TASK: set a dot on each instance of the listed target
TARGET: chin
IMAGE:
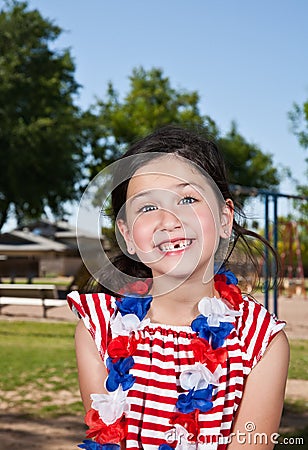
(180, 273)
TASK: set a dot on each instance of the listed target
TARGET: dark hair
(200, 150)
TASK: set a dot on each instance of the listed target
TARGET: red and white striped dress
(164, 351)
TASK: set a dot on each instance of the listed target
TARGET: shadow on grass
(294, 426)
(63, 433)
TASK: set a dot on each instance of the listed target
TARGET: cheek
(208, 224)
(142, 231)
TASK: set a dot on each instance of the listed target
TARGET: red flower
(204, 353)
(138, 287)
(188, 421)
(122, 347)
(229, 292)
(220, 277)
(102, 433)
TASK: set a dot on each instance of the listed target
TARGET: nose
(169, 221)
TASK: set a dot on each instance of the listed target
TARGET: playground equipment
(267, 196)
(291, 259)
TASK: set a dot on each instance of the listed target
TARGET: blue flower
(231, 278)
(92, 445)
(200, 399)
(216, 334)
(135, 305)
(119, 374)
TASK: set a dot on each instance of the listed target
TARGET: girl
(179, 358)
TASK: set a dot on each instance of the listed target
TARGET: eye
(187, 200)
(147, 208)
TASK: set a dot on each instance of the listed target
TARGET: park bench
(45, 295)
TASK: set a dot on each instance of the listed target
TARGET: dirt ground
(66, 432)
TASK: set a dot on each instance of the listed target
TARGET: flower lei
(106, 418)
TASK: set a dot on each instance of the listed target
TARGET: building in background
(43, 249)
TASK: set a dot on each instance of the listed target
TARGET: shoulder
(95, 310)
(256, 328)
(86, 304)
(256, 320)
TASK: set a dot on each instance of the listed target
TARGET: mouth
(175, 246)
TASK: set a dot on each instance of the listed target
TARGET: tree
(41, 129)
(299, 123)
(152, 102)
(248, 165)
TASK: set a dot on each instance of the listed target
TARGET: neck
(178, 305)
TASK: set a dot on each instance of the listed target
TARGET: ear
(226, 219)
(124, 230)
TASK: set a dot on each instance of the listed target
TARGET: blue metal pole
(275, 245)
(266, 262)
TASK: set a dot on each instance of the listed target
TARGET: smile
(175, 246)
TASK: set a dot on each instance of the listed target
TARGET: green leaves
(41, 129)
(150, 103)
(247, 164)
(299, 125)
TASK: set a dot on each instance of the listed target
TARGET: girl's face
(173, 219)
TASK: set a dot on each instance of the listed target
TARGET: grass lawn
(38, 372)
(58, 281)
(299, 359)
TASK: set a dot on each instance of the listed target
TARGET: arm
(92, 372)
(91, 369)
(263, 397)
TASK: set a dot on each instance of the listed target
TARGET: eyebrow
(180, 185)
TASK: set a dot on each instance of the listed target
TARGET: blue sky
(247, 59)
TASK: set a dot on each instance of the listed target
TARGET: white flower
(125, 325)
(110, 406)
(216, 311)
(199, 377)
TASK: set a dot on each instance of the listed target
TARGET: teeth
(178, 245)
